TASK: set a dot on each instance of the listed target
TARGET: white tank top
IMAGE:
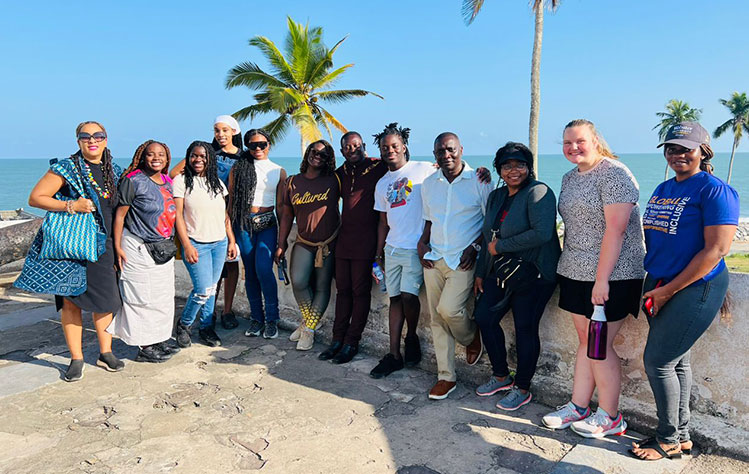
(268, 176)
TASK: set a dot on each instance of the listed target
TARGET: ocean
(20, 175)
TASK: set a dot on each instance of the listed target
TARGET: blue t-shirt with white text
(675, 218)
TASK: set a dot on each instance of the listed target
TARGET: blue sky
(156, 69)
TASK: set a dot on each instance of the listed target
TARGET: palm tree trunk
(536, 85)
(730, 162)
(302, 144)
(665, 176)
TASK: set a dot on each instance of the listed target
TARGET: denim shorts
(403, 271)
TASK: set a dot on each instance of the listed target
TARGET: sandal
(684, 449)
(652, 443)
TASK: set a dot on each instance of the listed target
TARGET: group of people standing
(443, 226)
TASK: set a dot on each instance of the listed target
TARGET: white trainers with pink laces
(599, 425)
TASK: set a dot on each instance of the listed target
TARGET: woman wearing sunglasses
(253, 191)
(312, 198)
(227, 143)
(93, 167)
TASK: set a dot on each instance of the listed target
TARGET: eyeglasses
(520, 165)
(255, 145)
(98, 136)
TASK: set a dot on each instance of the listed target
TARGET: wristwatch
(476, 247)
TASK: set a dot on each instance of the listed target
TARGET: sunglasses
(255, 145)
(98, 136)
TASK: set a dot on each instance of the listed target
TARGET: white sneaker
(564, 416)
(599, 425)
(306, 339)
(294, 336)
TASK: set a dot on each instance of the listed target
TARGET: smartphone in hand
(647, 305)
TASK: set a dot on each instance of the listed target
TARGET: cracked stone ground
(260, 405)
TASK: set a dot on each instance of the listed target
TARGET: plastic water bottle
(597, 334)
(281, 269)
(379, 276)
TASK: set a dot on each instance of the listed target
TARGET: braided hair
(110, 180)
(394, 129)
(139, 163)
(245, 180)
(211, 169)
(329, 160)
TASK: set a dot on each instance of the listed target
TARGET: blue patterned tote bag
(71, 236)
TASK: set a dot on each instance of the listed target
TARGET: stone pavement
(260, 405)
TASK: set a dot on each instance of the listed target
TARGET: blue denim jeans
(204, 274)
(673, 332)
(256, 249)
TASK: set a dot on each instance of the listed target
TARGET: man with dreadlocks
(398, 199)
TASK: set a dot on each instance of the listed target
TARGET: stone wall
(719, 359)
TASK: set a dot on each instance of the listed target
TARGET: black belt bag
(162, 251)
(513, 273)
(262, 221)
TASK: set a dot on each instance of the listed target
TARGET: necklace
(103, 193)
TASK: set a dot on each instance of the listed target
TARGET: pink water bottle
(597, 334)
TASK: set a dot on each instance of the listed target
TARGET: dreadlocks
(211, 170)
(139, 163)
(110, 180)
(394, 129)
(329, 158)
(244, 181)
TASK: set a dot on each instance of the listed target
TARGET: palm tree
(297, 85)
(738, 105)
(676, 112)
(471, 8)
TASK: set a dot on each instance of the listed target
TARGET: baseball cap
(687, 134)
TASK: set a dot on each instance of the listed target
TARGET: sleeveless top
(268, 176)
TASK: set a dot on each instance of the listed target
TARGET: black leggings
(312, 300)
(527, 308)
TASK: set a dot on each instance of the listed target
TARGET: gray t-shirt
(581, 203)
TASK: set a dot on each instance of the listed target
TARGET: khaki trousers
(448, 294)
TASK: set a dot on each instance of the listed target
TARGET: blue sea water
(18, 176)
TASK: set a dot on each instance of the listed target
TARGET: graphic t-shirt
(152, 211)
(675, 218)
(204, 211)
(315, 204)
(398, 194)
(224, 163)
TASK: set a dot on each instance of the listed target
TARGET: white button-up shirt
(456, 211)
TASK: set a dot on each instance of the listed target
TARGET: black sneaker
(209, 337)
(229, 321)
(256, 327)
(345, 355)
(108, 361)
(271, 330)
(387, 366)
(412, 353)
(151, 354)
(75, 370)
(331, 351)
(183, 335)
(167, 348)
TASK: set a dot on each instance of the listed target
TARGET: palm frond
(343, 95)
(336, 123)
(278, 128)
(550, 5)
(322, 62)
(320, 118)
(253, 111)
(285, 99)
(471, 9)
(250, 75)
(305, 122)
(301, 46)
(330, 78)
(723, 128)
(280, 66)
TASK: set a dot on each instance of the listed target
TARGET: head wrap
(230, 121)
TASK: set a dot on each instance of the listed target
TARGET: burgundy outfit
(356, 247)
